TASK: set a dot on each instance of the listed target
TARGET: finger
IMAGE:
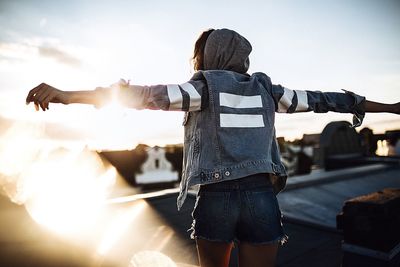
(41, 95)
(45, 100)
(49, 99)
(36, 106)
(42, 107)
(36, 92)
(47, 93)
(32, 92)
(46, 104)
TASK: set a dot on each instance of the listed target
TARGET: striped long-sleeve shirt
(193, 96)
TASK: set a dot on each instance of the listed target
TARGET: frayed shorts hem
(280, 240)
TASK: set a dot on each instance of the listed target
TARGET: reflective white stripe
(239, 101)
(302, 101)
(241, 120)
(286, 100)
(175, 97)
(195, 98)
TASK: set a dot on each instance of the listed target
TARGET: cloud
(58, 55)
(30, 49)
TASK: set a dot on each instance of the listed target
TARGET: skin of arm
(81, 97)
(374, 107)
(44, 94)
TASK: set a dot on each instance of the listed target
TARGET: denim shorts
(242, 210)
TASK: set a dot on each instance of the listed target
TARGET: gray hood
(227, 50)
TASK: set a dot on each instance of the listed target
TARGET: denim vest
(234, 136)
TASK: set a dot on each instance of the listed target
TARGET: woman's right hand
(43, 94)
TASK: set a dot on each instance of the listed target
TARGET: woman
(230, 147)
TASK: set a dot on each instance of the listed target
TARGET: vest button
(216, 175)
(227, 173)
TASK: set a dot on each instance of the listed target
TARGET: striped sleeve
(171, 97)
(290, 101)
(183, 97)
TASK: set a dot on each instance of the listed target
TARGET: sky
(79, 45)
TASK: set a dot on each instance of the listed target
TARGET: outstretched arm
(290, 101)
(176, 97)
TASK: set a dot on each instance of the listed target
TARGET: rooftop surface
(152, 230)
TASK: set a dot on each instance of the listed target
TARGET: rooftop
(153, 228)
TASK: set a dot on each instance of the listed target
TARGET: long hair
(198, 53)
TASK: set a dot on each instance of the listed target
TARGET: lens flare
(68, 191)
(62, 189)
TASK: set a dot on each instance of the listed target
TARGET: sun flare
(68, 195)
(62, 189)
